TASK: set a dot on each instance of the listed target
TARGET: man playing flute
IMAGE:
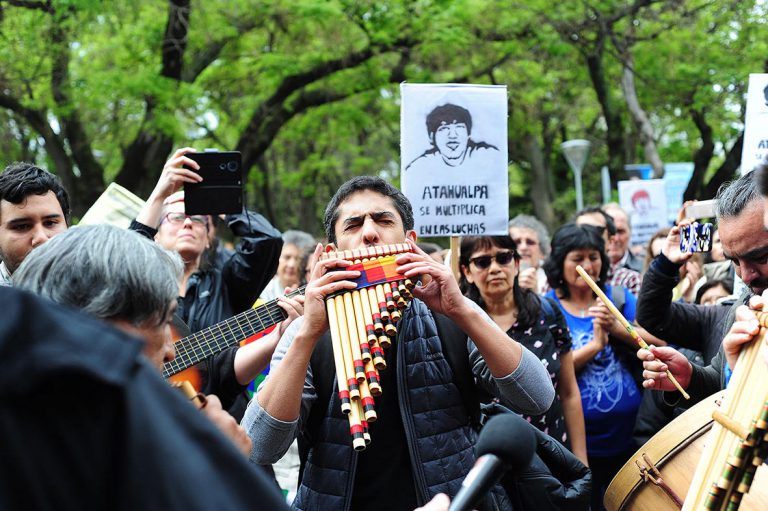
(423, 440)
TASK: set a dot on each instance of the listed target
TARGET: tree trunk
(727, 170)
(614, 136)
(542, 201)
(702, 157)
(642, 123)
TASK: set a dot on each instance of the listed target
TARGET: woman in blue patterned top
(490, 270)
(609, 395)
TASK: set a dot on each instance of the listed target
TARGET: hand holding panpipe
(362, 323)
(626, 324)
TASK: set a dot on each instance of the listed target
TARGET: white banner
(453, 154)
(116, 206)
(646, 202)
(755, 124)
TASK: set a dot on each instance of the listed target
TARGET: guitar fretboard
(230, 332)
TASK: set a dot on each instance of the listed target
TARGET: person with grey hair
(289, 270)
(112, 274)
(739, 210)
(122, 278)
(532, 240)
(618, 246)
(88, 423)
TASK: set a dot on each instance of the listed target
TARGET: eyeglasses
(525, 241)
(179, 218)
(502, 259)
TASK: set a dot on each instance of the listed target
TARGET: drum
(675, 451)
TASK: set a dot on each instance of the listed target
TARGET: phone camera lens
(222, 166)
(232, 166)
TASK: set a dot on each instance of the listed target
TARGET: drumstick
(626, 324)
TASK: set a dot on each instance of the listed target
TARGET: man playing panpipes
(423, 439)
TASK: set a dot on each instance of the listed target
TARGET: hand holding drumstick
(626, 324)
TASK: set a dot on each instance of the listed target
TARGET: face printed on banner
(451, 140)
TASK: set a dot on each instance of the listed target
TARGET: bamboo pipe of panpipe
(365, 328)
(354, 338)
(367, 403)
(389, 328)
(378, 326)
(394, 312)
(338, 356)
(372, 376)
(356, 427)
(346, 349)
(378, 329)
(626, 324)
(382, 303)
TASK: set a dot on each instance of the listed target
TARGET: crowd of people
(91, 312)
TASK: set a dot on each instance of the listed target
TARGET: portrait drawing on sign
(449, 128)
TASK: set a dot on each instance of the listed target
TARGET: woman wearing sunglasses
(610, 397)
(489, 276)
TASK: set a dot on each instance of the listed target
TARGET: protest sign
(646, 202)
(755, 148)
(454, 158)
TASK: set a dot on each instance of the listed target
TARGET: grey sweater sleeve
(272, 437)
(528, 389)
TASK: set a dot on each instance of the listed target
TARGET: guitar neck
(216, 338)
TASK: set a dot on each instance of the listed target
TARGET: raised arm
(519, 375)
(272, 416)
(254, 262)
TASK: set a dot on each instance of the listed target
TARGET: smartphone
(221, 190)
(696, 238)
(701, 209)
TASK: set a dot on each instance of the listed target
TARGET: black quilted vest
(437, 425)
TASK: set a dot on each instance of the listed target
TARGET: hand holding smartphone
(221, 190)
(696, 237)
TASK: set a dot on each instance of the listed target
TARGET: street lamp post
(576, 153)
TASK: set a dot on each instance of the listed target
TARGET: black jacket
(225, 289)
(691, 326)
(87, 423)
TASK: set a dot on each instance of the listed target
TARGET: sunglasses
(502, 259)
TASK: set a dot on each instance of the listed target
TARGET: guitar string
(193, 349)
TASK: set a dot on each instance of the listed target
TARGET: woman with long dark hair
(610, 397)
(489, 277)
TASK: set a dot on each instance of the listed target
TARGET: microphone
(506, 443)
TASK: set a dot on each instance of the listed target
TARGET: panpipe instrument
(363, 323)
(711, 457)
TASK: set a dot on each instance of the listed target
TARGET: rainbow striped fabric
(376, 271)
